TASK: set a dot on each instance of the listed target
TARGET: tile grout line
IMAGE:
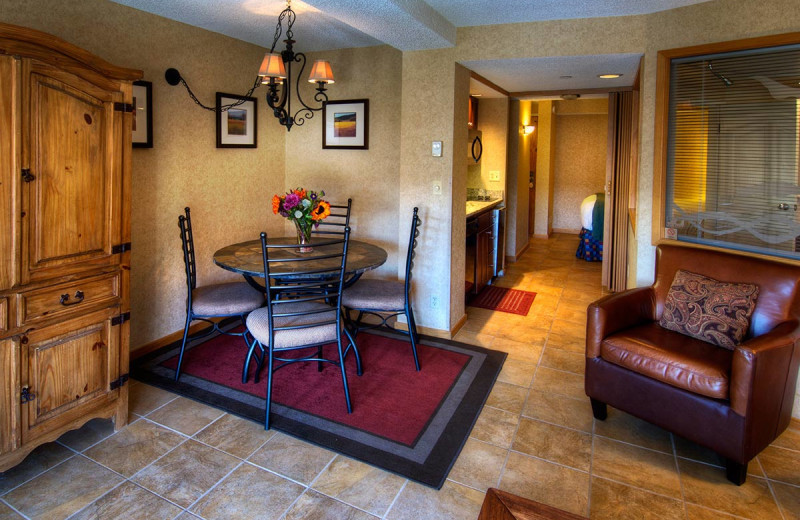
(396, 498)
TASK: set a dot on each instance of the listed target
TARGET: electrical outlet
(436, 148)
(434, 302)
(494, 175)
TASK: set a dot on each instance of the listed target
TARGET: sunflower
(276, 204)
(322, 210)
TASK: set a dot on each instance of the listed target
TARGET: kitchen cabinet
(65, 155)
(480, 252)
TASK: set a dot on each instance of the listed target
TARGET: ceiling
(419, 24)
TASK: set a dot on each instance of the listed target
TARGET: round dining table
(246, 259)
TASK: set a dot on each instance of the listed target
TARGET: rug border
(433, 472)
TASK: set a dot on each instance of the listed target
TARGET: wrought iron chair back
(187, 243)
(412, 246)
(336, 222)
(299, 314)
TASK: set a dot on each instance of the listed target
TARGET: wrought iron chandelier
(276, 73)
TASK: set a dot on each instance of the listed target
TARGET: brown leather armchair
(734, 402)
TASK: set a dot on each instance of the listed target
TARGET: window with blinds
(733, 150)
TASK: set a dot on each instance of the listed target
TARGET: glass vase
(303, 237)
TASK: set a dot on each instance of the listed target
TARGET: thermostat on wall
(436, 149)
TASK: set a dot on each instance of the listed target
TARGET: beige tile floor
(535, 437)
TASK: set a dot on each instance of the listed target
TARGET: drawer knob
(65, 299)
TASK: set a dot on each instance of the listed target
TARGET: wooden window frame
(660, 137)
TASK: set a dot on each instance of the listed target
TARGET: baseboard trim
(428, 331)
(513, 258)
(567, 231)
(168, 339)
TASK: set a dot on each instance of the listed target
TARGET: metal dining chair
(298, 316)
(385, 299)
(205, 303)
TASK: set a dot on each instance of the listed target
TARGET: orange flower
(300, 192)
(322, 210)
(276, 204)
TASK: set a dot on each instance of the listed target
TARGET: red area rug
(412, 423)
(502, 299)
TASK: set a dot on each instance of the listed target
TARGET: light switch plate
(436, 148)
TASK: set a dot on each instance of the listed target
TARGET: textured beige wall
(429, 81)
(227, 189)
(370, 176)
(493, 124)
(580, 165)
(516, 237)
(545, 170)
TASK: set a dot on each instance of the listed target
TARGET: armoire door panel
(73, 197)
(70, 367)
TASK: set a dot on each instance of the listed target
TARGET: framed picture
(142, 114)
(237, 127)
(345, 124)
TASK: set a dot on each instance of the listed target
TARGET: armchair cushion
(708, 309)
(672, 358)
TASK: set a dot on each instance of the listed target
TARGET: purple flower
(292, 200)
(313, 196)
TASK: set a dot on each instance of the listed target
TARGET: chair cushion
(709, 310)
(375, 295)
(225, 299)
(258, 324)
(672, 358)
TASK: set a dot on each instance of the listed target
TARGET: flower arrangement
(304, 208)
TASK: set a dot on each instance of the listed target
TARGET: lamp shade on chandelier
(276, 73)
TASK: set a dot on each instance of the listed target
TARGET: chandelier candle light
(276, 70)
(305, 209)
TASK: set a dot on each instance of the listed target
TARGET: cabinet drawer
(67, 298)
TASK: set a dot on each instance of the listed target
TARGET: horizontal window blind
(734, 150)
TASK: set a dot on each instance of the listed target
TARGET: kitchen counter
(476, 207)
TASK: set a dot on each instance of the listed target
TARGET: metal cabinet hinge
(122, 318)
(120, 248)
(26, 395)
(119, 382)
(123, 107)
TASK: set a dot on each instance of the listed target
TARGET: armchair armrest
(762, 368)
(616, 312)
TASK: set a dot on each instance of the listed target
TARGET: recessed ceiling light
(570, 97)
(609, 76)
(476, 95)
(565, 77)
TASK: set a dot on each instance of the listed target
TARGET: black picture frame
(142, 126)
(237, 127)
(342, 118)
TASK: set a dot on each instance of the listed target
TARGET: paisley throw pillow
(709, 310)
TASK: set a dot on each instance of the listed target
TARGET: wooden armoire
(65, 187)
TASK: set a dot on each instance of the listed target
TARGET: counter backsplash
(483, 194)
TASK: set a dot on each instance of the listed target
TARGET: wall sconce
(528, 129)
